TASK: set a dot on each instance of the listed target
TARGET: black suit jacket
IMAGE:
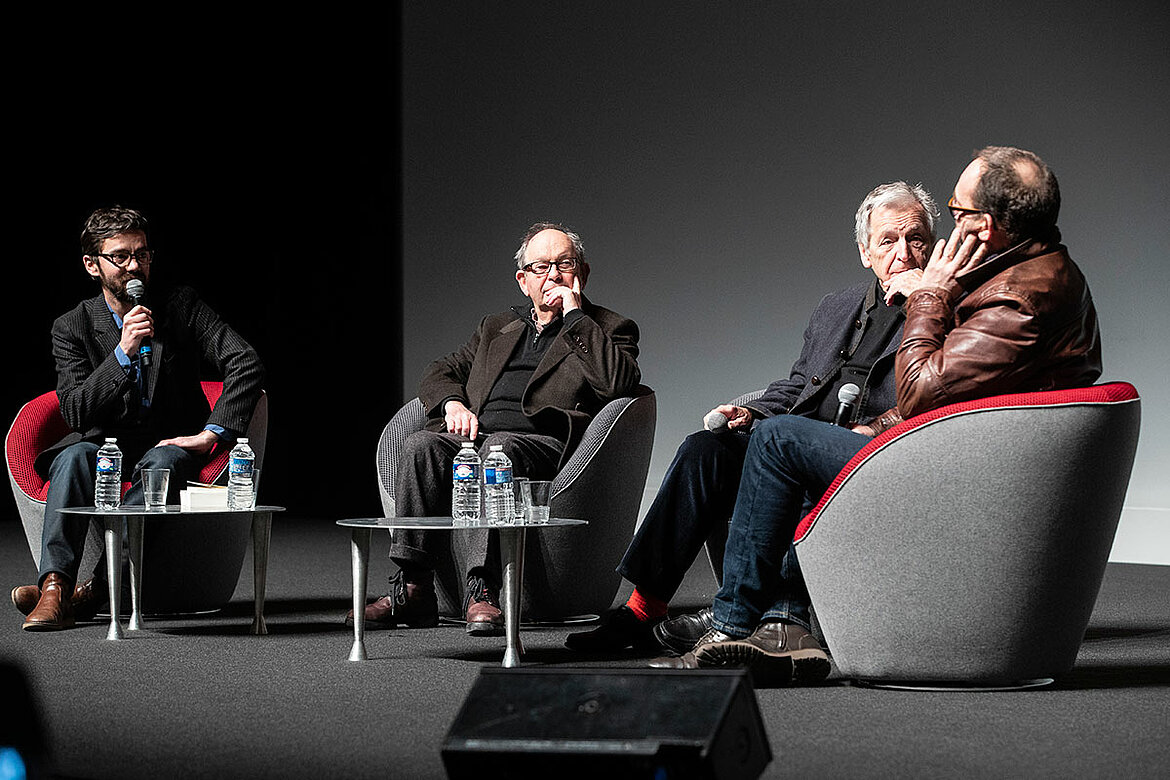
(98, 399)
(592, 361)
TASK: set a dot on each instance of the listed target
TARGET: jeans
(788, 460)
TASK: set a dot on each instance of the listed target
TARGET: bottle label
(240, 466)
(465, 472)
(497, 476)
(107, 465)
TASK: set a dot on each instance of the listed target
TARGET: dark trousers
(422, 488)
(71, 484)
(694, 503)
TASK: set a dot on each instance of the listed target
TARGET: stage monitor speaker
(630, 723)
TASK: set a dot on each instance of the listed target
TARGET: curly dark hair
(107, 223)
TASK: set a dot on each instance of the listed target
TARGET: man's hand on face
(460, 420)
(903, 284)
(201, 442)
(952, 258)
(738, 418)
(564, 298)
(136, 326)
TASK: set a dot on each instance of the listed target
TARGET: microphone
(847, 396)
(715, 422)
(137, 292)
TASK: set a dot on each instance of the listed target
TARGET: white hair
(895, 193)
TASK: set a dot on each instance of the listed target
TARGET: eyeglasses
(958, 211)
(542, 267)
(122, 259)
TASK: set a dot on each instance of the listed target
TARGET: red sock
(646, 607)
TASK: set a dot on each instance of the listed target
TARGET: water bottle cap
(111, 441)
(497, 447)
(242, 440)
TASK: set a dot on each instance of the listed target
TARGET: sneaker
(620, 629)
(412, 604)
(778, 654)
(482, 607)
(679, 634)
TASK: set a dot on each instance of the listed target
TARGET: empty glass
(154, 488)
(537, 493)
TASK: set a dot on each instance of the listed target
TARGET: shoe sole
(38, 626)
(800, 667)
(484, 628)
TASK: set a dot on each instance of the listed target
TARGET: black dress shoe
(620, 629)
(679, 634)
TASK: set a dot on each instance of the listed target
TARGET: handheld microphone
(847, 396)
(137, 292)
(715, 422)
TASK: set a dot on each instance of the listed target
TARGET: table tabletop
(136, 510)
(448, 523)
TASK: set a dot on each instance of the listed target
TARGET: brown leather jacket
(1022, 321)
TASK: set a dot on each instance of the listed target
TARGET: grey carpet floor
(200, 697)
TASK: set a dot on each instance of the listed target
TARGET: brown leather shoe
(54, 610)
(778, 654)
(484, 616)
(88, 598)
(412, 604)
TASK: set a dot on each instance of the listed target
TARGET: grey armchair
(965, 547)
(567, 571)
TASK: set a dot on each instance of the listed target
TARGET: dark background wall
(264, 150)
(711, 154)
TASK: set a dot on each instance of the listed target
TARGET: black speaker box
(631, 723)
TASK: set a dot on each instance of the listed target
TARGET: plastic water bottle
(497, 481)
(107, 490)
(465, 486)
(240, 475)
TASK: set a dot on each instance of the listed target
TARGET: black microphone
(847, 396)
(137, 292)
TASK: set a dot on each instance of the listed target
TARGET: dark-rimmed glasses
(122, 259)
(958, 211)
(542, 267)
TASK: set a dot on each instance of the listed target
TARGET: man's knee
(80, 458)
(164, 457)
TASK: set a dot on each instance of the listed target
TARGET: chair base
(935, 686)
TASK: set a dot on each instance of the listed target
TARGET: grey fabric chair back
(967, 546)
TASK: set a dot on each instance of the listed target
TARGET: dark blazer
(593, 360)
(830, 330)
(98, 399)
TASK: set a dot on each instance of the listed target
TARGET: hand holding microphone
(138, 327)
(727, 417)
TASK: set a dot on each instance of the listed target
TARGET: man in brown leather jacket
(999, 308)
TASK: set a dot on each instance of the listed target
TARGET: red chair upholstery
(965, 547)
(176, 553)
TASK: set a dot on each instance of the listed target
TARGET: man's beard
(117, 287)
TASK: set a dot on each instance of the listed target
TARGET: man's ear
(864, 256)
(91, 266)
(988, 224)
(584, 275)
(520, 281)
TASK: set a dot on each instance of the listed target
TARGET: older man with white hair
(851, 339)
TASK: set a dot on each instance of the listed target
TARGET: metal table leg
(261, 534)
(512, 555)
(360, 563)
(135, 526)
(113, 538)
